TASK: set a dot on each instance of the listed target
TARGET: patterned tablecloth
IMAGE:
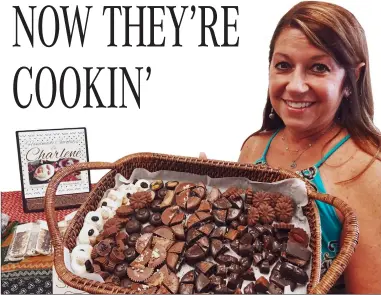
(33, 275)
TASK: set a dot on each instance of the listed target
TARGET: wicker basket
(154, 162)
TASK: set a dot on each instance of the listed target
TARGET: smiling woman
(318, 122)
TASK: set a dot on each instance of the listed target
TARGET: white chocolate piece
(109, 203)
(106, 213)
(128, 192)
(88, 234)
(142, 185)
(79, 256)
(116, 196)
(95, 218)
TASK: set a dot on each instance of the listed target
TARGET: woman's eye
(320, 68)
(282, 65)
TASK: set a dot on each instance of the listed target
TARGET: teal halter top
(330, 223)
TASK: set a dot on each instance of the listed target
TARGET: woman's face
(306, 84)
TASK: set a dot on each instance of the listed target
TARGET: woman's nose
(297, 83)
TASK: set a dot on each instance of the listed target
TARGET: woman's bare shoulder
(253, 147)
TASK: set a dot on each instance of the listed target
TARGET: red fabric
(11, 204)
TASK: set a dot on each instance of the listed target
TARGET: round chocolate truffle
(155, 205)
(155, 219)
(133, 226)
(121, 270)
(142, 215)
(130, 254)
(131, 241)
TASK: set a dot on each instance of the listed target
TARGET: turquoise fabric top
(330, 223)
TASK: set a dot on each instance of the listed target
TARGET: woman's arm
(363, 274)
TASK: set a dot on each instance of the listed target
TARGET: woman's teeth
(298, 105)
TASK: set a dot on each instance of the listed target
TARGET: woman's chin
(297, 124)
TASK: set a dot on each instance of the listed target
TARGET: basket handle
(347, 248)
(50, 212)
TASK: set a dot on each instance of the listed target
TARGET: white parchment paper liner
(295, 188)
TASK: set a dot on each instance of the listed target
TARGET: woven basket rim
(321, 286)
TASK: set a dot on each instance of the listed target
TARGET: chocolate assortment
(170, 237)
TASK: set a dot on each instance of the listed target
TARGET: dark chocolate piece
(192, 221)
(133, 226)
(219, 216)
(274, 289)
(222, 289)
(245, 250)
(218, 232)
(232, 234)
(245, 263)
(234, 281)
(215, 281)
(148, 229)
(226, 259)
(178, 230)
(171, 282)
(193, 203)
(293, 273)
(155, 219)
(205, 206)
(262, 285)
(178, 218)
(171, 185)
(155, 206)
(246, 239)
(177, 248)
(206, 267)
(250, 288)
(189, 277)
(297, 250)
(206, 229)
(222, 204)
(161, 193)
(242, 219)
(204, 216)
(172, 260)
(131, 241)
(264, 267)
(257, 258)
(222, 270)
(142, 215)
(194, 254)
(121, 270)
(130, 254)
(280, 281)
(234, 268)
(204, 244)
(186, 289)
(193, 235)
(272, 258)
(202, 283)
(248, 275)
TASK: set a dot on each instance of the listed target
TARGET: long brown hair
(336, 31)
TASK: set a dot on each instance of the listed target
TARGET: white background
(197, 98)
